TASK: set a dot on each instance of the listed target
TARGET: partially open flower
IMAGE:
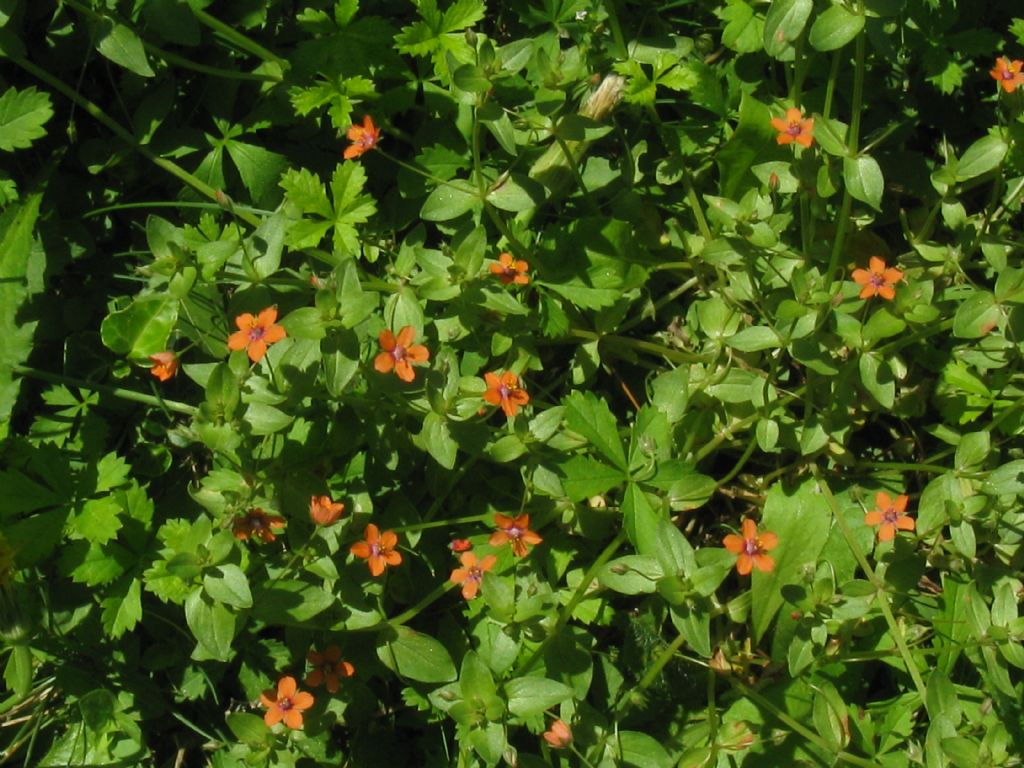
(165, 365)
(324, 511)
(559, 735)
(363, 137)
(286, 704)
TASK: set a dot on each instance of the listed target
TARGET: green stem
(237, 39)
(123, 134)
(411, 613)
(751, 446)
(881, 594)
(442, 523)
(675, 355)
(124, 394)
(566, 613)
(698, 212)
(852, 143)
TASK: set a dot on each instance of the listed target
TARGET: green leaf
(977, 316)
(449, 201)
(835, 28)
(982, 156)
(801, 519)
(436, 439)
(753, 139)
(631, 575)
(755, 339)
(122, 609)
(415, 656)
(471, 78)
(877, 379)
(227, 584)
(18, 671)
(591, 417)
(516, 193)
(783, 24)
(142, 328)
(258, 168)
(584, 477)
(864, 180)
(98, 521)
(248, 728)
(744, 30)
(122, 46)
(22, 117)
(291, 602)
(266, 419)
(532, 695)
(638, 750)
(212, 625)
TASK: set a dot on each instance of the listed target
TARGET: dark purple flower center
(890, 516)
(515, 531)
(256, 523)
(794, 129)
(398, 353)
(375, 549)
(751, 546)
(257, 333)
(1008, 74)
(284, 704)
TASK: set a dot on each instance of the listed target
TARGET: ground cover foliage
(537, 383)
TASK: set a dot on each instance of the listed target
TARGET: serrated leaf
(98, 521)
(22, 117)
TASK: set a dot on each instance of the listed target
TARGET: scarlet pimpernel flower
(256, 332)
(165, 365)
(890, 515)
(324, 511)
(750, 548)
(460, 545)
(504, 390)
(878, 279)
(328, 668)
(400, 353)
(257, 524)
(363, 137)
(511, 270)
(559, 735)
(378, 549)
(286, 703)
(794, 127)
(515, 531)
(471, 573)
(1008, 73)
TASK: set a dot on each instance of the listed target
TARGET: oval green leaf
(864, 179)
(835, 28)
(785, 21)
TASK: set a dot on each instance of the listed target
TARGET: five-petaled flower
(750, 548)
(327, 668)
(877, 280)
(559, 735)
(378, 549)
(256, 524)
(287, 703)
(794, 127)
(511, 270)
(400, 353)
(515, 531)
(324, 511)
(363, 137)
(890, 514)
(165, 365)
(471, 573)
(504, 390)
(1008, 73)
(256, 332)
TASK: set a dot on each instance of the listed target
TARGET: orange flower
(889, 513)
(327, 668)
(794, 127)
(324, 511)
(750, 548)
(514, 530)
(165, 365)
(363, 137)
(256, 524)
(1008, 73)
(877, 280)
(256, 332)
(505, 391)
(286, 704)
(460, 545)
(399, 353)
(510, 270)
(559, 735)
(378, 549)
(471, 573)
